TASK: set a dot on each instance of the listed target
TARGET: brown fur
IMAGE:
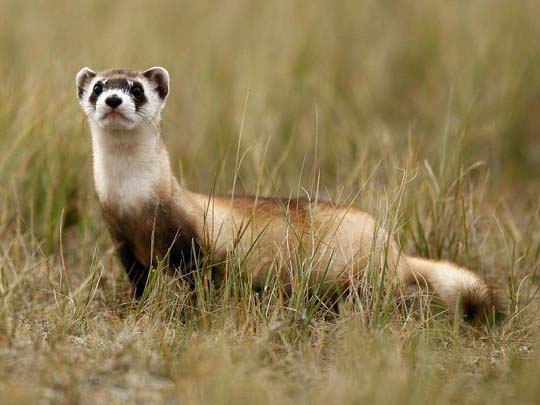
(120, 73)
(153, 232)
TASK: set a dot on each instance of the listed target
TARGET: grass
(429, 112)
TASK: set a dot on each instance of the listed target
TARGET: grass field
(428, 112)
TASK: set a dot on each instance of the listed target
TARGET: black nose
(113, 101)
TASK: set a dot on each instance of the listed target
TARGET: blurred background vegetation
(435, 102)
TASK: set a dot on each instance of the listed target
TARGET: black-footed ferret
(150, 216)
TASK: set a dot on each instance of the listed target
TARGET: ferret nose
(113, 101)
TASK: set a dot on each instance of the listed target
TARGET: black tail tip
(484, 309)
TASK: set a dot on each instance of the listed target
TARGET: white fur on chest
(127, 167)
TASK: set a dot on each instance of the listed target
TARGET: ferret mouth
(114, 115)
(115, 118)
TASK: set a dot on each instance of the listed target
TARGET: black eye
(137, 91)
(98, 89)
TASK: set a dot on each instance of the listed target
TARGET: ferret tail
(459, 288)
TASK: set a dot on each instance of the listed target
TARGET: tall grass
(426, 114)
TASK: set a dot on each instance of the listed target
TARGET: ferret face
(122, 99)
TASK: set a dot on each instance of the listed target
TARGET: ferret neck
(129, 166)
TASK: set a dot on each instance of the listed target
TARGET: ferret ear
(83, 77)
(160, 78)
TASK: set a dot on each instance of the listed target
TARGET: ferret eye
(137, 91)
(98, 89)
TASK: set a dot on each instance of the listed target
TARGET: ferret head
(121, 99)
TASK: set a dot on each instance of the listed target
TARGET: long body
(150, 216)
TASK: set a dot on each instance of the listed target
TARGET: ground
(426, 114)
